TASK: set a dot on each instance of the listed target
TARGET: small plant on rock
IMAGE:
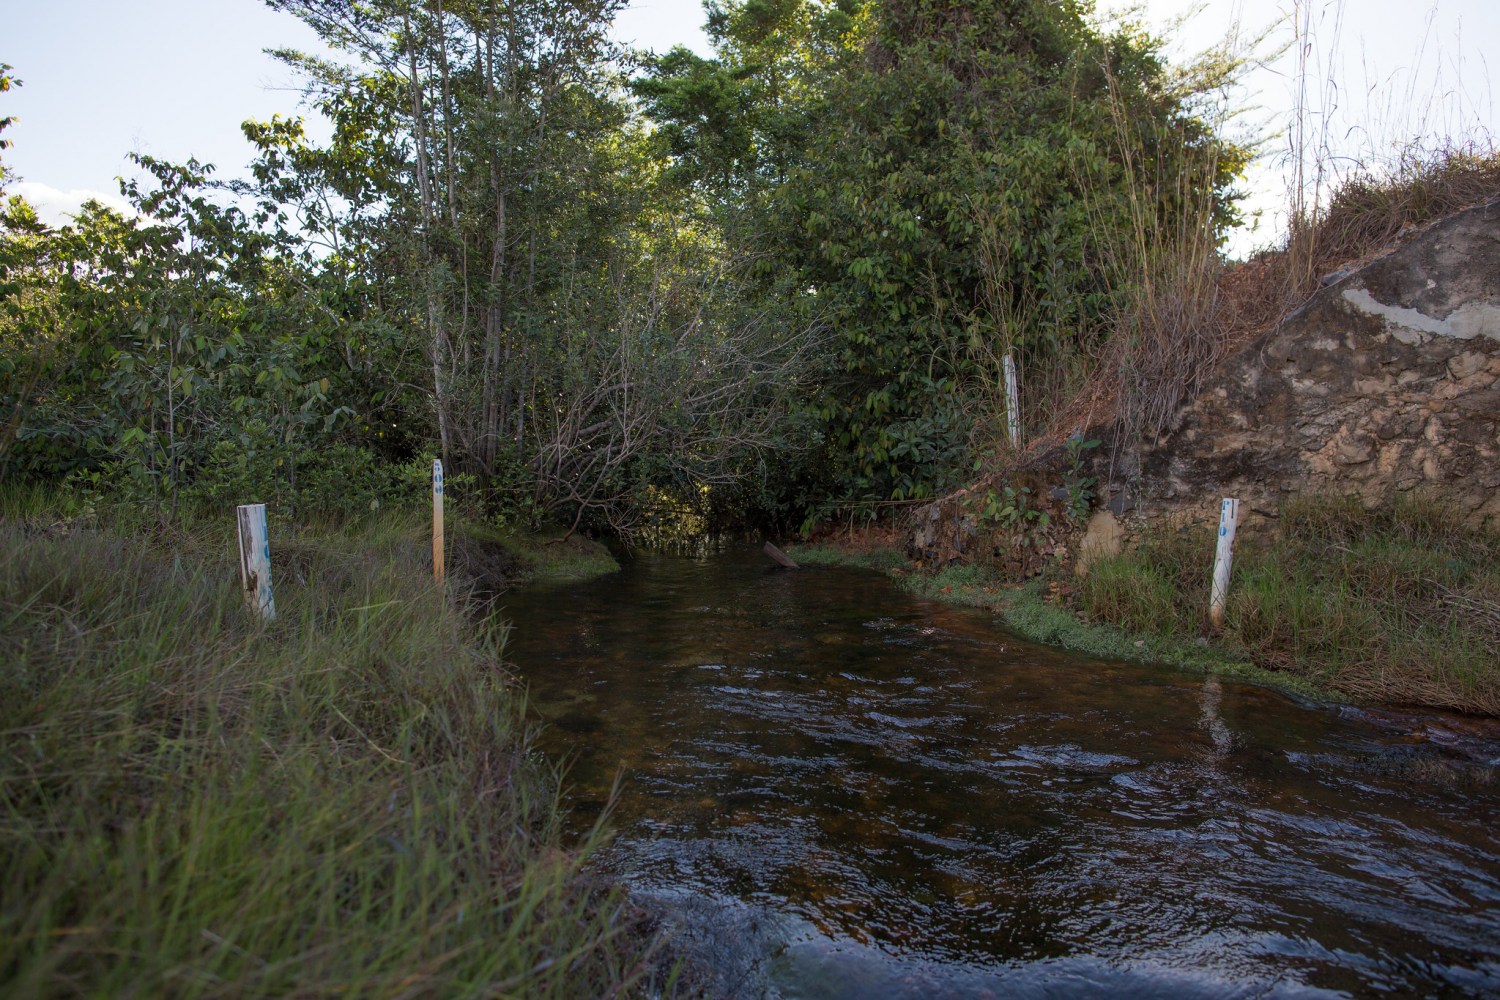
(1080, 487)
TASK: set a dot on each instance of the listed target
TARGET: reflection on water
(845, 792)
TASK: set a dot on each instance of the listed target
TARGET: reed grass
(346, 800)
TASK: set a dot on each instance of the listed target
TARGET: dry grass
(1371, 212)
(1369, 215)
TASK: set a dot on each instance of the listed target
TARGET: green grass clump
(881, 559)
(1399, 603)
(967, 586)
(343, 801)
(964, 585)
(1145, 591)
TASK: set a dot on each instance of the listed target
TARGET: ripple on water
(845, 792)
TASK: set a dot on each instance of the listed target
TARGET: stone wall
(1388, 379)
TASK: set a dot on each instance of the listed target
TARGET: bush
(337, 481)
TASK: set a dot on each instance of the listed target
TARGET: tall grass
(346, 800)
(1157, 213)
(1400, 603)
(1362, 164)
(1167, 326)
(1371, 209)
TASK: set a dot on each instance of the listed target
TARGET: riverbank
(492, 560)
(346, 799)
(1025, 610)
(1398, 605)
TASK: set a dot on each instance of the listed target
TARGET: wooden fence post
(1012, 399)
(1229, 519)
(255, 558)
(437, 520)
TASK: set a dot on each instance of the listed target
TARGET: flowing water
(842, 791)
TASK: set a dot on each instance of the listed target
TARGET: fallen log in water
(781, 557)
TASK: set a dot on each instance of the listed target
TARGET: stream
(834, 789)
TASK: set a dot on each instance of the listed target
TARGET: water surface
(843, 791)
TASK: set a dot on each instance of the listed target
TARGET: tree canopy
(590, 279)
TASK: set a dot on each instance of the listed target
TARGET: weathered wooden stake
(437, 519)
(1012, 398)
(1229, 519)
(255, 558)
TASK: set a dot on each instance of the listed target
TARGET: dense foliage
(788, 272)
(937, 183)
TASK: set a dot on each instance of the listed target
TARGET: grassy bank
(345, 800)
(495, 558)
(1399, 604)
(1028, 612)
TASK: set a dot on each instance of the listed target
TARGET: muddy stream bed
(837, 790)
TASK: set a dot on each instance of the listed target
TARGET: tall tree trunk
(419, 127)
(439, 387)
(434, 303)
(448, 168)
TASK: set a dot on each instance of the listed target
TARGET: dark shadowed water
(842, 791)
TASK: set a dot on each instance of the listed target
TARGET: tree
(490, 182)
(170, 350)
(935, 188)
(7, 81)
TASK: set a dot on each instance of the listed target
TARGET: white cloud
(57, 208)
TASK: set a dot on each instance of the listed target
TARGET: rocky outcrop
(1386, 380)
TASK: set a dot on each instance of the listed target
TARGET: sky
(1382, 75)
(174, 78)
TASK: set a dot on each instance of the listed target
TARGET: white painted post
(437, 520)
(255, 558)
(1012, 399)
(1229, 519)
